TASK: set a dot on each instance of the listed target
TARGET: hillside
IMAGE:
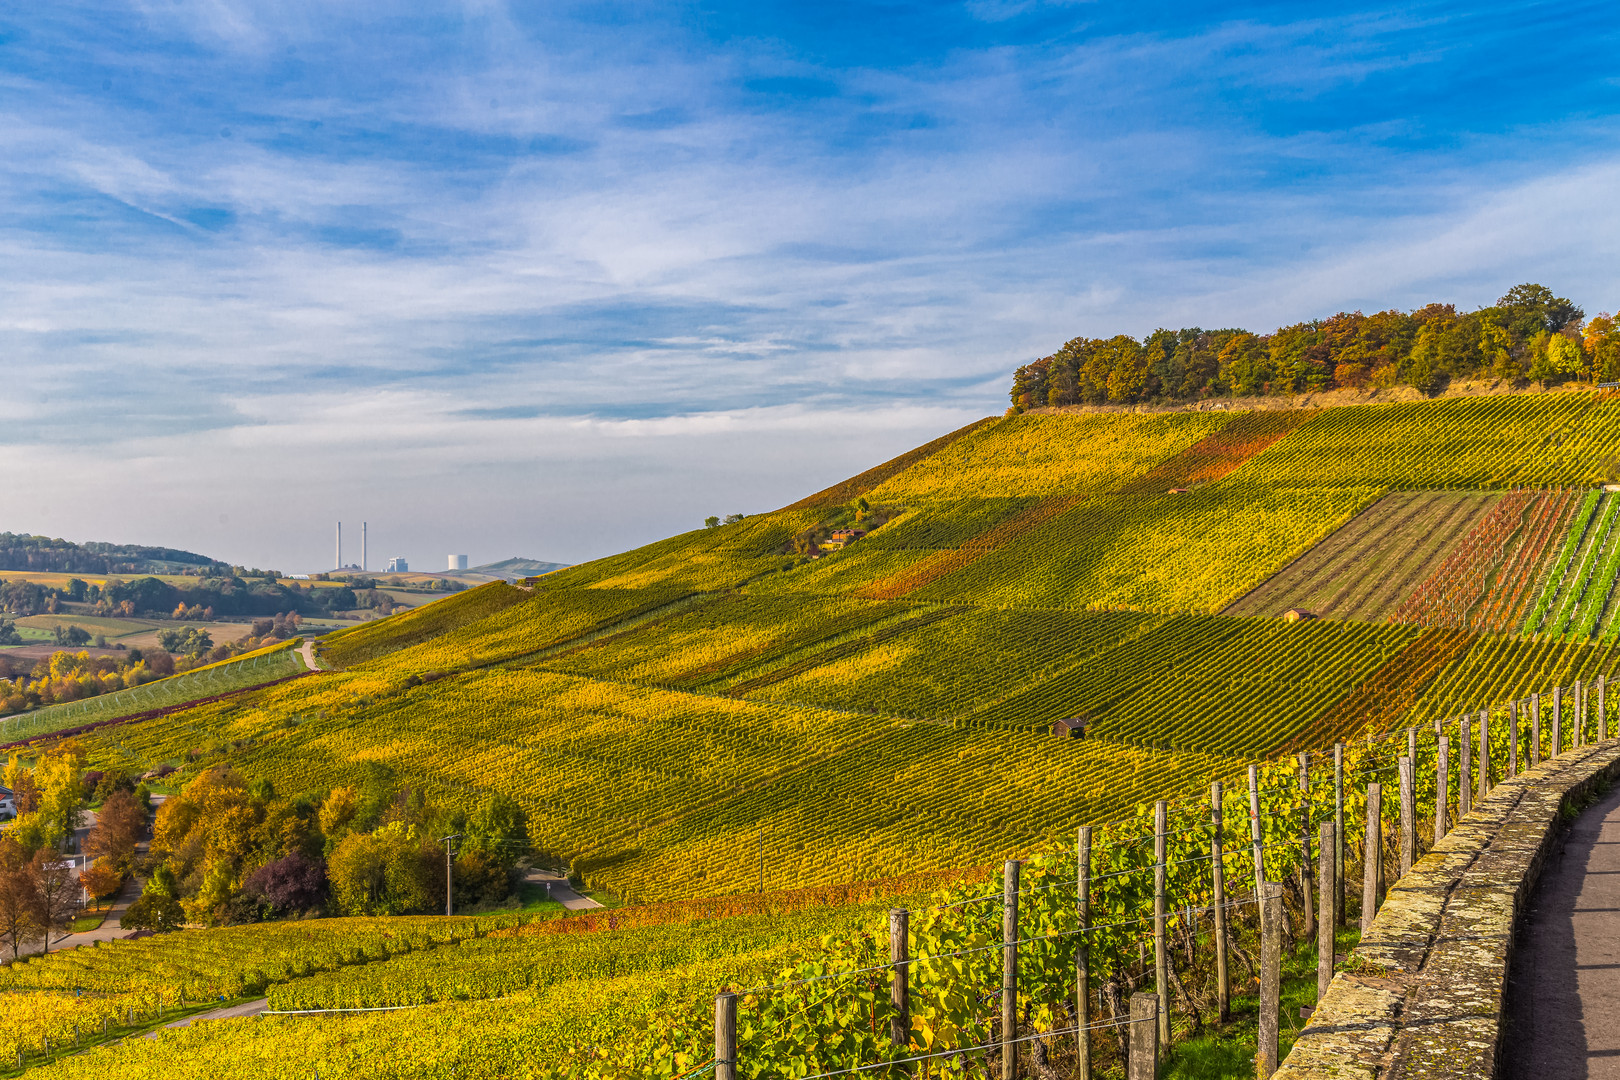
(777, 703)
(719, 711)
(20, 551)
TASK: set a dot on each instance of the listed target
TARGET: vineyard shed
(1295, 614)
(1071, 728)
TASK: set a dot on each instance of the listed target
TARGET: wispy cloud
(347, 250)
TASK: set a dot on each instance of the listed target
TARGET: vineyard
(587, 998)
(230, 676)
(735, 711)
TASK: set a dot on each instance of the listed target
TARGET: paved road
(231, 1012)
(1563, 1012)
(560, 890)
(109, 929)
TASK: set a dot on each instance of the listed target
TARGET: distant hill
(513, 569)
(19, 551)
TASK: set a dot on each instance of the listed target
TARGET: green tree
(188, 640)
(72, 635)
(1535, 308)
(155, 912)
(390, 871)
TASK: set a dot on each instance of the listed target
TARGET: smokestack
(364, 564)
(339, 563)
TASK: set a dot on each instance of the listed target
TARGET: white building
(458, 562)
(398, 565)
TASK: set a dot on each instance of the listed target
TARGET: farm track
(1372, 562)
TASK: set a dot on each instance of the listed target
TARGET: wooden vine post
(1338, 830)
(1442, 786)
(1161, 966)
(1513, 739)
(1144, 1041)
(1535, 730)
(1408, 817)
(1372, 859)
(1271, 949)
(1558, 721)
(725, 1036)
(1307, 910)
(1217, 859)
(1009, 970)
(1082, 956)
(1326, 889)
(1484, 754)
(899, 984)
(1577, 723)
(1602, 714)
(1465, 793)
(1254, 839)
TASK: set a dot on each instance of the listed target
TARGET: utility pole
(449, 896)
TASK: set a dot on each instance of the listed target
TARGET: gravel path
(1563, 994)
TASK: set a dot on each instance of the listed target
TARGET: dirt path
(1563, 995)
(307, 651)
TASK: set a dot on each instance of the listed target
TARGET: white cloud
(589, 343)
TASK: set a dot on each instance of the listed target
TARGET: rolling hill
(862, 686)
(727, 710)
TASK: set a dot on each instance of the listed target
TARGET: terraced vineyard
(718, 712)
(729, 712)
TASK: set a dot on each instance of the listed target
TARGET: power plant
(337, 558)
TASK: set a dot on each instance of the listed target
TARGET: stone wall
(1421, 996)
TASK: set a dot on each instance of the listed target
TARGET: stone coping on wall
(1421, 996)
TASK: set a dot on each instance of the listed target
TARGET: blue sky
(552, 280)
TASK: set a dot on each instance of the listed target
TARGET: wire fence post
(1558, 721)
(1535, 730)
(1577, 723)
(1009, 970)
(1308, 912)
(725, 1036)
(1603, 716)
(1338, 830)
(1265, 1060)
(1373, 857)
(1217, 859)
(1465, 788)
(1513, 739)
(899, 988)
(1442, 787)
(1254, 839)
(1082, 957)
(1325, 887)
(1408, 818)
(1144, 1043)
(1161, 966)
